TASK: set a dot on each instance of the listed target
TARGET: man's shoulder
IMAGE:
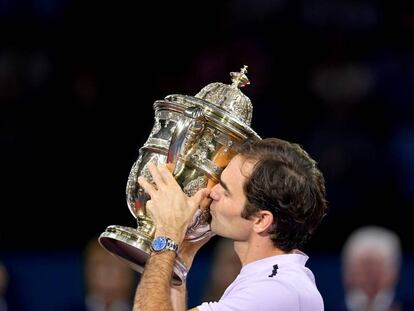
(279, 281)
(246, 296)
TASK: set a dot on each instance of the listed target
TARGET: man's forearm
(153, 292)
(179, 297)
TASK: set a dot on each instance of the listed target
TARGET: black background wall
(78, 80)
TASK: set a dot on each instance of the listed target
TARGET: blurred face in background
(4, 279)
(106, 276)
(371, 268)
(369, 272)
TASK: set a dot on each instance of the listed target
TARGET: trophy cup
(194, 136)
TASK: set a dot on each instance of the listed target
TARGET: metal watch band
(171, 245)
(162, 243)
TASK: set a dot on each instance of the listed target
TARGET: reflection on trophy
(194, 136)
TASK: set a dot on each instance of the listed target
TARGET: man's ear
(263, 220)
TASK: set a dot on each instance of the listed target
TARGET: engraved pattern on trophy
(132, 186)
(188, 129)
(230, 99)
(194, 134)
(157, 126)
(194, 185)
(205, 146)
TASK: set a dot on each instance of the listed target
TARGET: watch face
(159, 243)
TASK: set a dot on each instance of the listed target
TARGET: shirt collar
(295, 257)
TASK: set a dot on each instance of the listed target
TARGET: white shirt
(279, 282)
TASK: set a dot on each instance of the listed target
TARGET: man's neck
(249, 251)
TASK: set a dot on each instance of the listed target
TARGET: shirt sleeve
(264, 296)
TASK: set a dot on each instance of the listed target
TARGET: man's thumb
(199, 196)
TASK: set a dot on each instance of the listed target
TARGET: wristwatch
(161, 244)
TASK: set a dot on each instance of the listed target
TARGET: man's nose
(214, 193)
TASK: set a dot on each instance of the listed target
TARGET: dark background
(78, 80)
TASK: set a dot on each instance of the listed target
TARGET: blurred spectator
(4, 281)
(225, 268)
(10, 299)
(109, 282)
(371, 261)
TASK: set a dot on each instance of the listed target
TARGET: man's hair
(285, 181)
(378, 241)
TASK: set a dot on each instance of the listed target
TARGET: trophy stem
(133, 246)
(146, 226)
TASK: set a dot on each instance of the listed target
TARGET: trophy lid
(229, 96)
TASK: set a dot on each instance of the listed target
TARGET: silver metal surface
(194, 135)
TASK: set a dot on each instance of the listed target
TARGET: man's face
(369, 272)
(107, 277)
(229, 200)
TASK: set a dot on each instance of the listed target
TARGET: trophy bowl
(194, 135)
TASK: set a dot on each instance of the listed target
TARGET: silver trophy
(194, 136)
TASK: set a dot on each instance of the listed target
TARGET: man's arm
(157, 280)
(172, 211)
(187, 252)
(153, 292)
(179, 297)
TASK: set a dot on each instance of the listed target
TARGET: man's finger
(149, 207)
(200, 195)
(205, 203)
(166, 174)
(146, 185)
(155, 173)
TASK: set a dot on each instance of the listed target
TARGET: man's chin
(213, 226)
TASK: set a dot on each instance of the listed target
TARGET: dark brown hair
(285, 181)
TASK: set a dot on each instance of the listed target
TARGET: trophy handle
(187, 130)
(189, 127)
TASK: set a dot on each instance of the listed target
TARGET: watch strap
(162, 243)
(171, 245)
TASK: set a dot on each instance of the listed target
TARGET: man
(4, 282)
(371, 262)
(109, 283)
(270, 200)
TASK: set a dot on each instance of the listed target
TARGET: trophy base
(133, 248)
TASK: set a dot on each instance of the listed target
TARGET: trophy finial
(239, 78)
(229, 96)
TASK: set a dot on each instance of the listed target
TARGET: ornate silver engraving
(194, 185)
(156, 128)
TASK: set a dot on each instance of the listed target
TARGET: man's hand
(170, 209)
